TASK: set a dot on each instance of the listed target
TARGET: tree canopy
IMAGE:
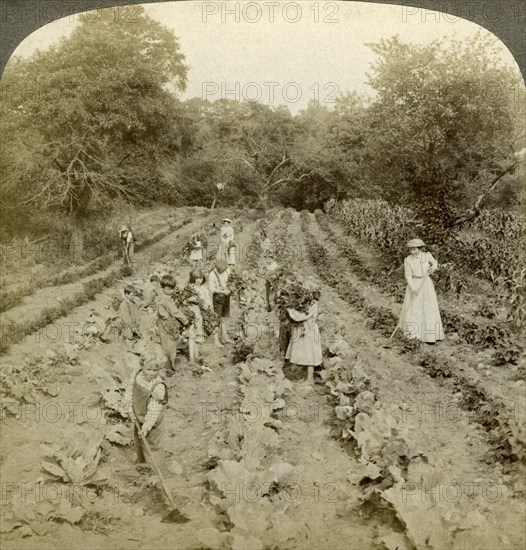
(103, 120)
(100, 119)
(445, 119)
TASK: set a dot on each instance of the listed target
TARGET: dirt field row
(261, 461)
(116, 511)
(362, 263)
(28, 266)
(483, 391)
(45, 305)
(443, 433)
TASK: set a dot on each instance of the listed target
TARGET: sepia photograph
(262, 276)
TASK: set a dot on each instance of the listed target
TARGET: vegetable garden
(397, 446)
(365, 459)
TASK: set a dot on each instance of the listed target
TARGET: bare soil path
(441, 430)
(290, 481)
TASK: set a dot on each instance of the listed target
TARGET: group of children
(179, 326)
(295, 297)
(227, 246)
(184, 317)
(179, 311)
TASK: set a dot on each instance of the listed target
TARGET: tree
(245, 146)
(103, 118)
(442, 120)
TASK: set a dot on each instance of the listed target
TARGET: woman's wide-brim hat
(227, 220)
(415, 243)
(124, 228)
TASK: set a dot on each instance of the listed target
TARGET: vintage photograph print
(262, 278)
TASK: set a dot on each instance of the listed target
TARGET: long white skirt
(421, 315)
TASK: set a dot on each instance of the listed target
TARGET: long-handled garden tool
(128, 262)
(174, 515)
(387, 345)
(127, 256)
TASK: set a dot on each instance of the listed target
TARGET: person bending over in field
(129, 314)
(171, 321)
(218, 285)
(144, 402)
(127, 242)
(305, 343)
(420, 317)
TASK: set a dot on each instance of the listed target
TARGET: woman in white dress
(227, 252)
(420, 317)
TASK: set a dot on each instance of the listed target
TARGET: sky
(280, 53)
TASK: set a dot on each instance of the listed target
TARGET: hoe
(174, 515)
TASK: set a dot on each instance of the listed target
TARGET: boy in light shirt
(218, 285)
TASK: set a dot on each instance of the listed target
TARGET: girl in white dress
(305, 340)
(196, 333)
(196, 254)
(420, 317)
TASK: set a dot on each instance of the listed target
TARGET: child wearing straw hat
(420, 318)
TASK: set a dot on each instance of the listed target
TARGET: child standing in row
(171, 321)
(203, 300)
(227, 249)
(127, 242)
(150, 291)
(196, 252)
(144, 402)
(304, 346)
(218, 285)
(129, 314)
